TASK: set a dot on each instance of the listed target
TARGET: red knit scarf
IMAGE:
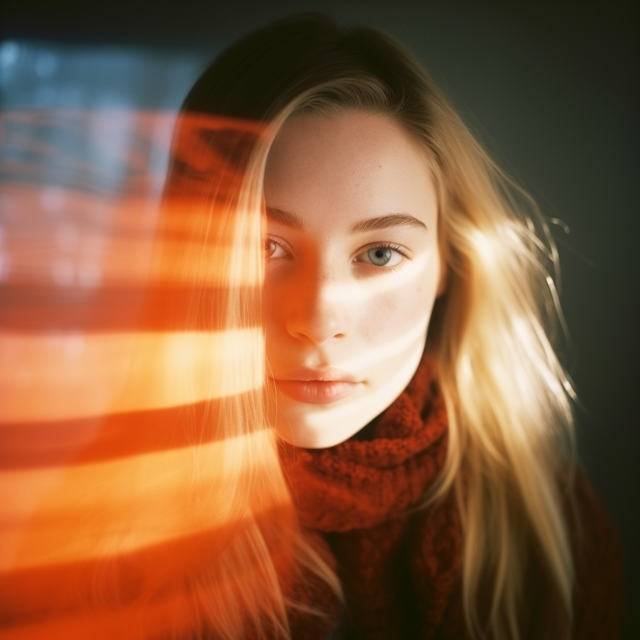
(398, 570)
(400, 567)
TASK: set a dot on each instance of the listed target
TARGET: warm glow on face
(353, 270)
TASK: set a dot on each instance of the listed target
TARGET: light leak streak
(64, 515)
(112, 545)
(100, 240)
(75, 375)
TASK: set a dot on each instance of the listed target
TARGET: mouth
(317, 386)
(316, 391)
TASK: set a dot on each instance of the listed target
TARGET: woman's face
(353, 270)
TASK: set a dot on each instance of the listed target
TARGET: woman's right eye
(273, 249)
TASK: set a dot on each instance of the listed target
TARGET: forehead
(342, 167)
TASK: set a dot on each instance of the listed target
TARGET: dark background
(551, 88)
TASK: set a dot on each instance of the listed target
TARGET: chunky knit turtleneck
(400, 567)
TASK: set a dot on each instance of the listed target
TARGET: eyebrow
(285, 218)
(370, 224)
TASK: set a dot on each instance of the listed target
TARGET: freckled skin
(326, 303)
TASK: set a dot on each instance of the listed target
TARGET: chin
(307, 437)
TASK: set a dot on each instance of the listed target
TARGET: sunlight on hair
(486, 249)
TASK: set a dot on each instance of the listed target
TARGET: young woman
(338, 415)
(422, 420)
(335, 414)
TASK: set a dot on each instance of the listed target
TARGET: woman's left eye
(381, 256)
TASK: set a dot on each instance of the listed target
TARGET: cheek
(271, 315)
(408, 305)
(276, 299)
(392, 314)
(273, 299)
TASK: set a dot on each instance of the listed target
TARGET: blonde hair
(507, 396)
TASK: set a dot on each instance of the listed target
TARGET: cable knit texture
(401, 570)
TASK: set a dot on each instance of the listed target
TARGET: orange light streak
(94, 243)
(77, 376)
(123, 442)
(55, 516)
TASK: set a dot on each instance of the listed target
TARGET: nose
(316, 310)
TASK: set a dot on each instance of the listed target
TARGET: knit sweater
(401, 570)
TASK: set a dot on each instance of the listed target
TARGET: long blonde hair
(507, 396)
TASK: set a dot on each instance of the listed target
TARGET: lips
(311, 386)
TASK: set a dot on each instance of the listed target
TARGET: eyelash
(380, 245)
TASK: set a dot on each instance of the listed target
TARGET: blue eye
(382, 256)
